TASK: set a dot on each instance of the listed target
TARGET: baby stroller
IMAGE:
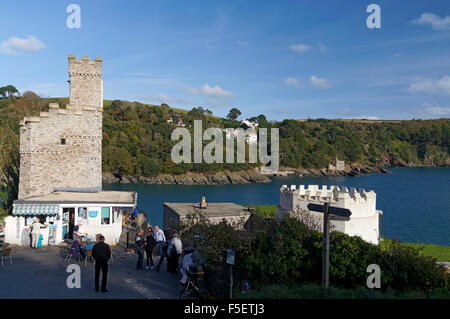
(192, 278)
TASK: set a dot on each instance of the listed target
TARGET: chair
(88, 256)
(5, 254)
(70, 254)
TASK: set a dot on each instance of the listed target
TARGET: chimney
(203, 204)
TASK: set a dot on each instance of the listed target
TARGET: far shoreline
(250, 176)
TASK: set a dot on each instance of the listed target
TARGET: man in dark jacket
(101, 254)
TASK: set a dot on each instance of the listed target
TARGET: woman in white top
(35, 232)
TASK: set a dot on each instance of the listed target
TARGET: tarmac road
(42, 274)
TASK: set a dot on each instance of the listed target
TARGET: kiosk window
(106, 219)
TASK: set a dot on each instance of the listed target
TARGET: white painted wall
(364, 221)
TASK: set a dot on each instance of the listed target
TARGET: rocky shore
(249, 177)
(221, 178)
(349, 171)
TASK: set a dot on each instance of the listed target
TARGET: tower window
(63, 141)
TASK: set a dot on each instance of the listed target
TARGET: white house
(365, 218)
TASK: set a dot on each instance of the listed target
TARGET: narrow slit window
(63, 141)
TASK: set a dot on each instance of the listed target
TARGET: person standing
(101, 254)
(140, 245)
(174, 251)
(149, 245)
(161, 245)
(35, 232)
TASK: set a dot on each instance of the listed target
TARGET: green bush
(310, 291)
(278, 254)
(403, 268)
(289, 253)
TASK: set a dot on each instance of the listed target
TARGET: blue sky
(285, 59)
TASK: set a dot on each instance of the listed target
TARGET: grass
(441, 253)
(264, 210)
(310, 291)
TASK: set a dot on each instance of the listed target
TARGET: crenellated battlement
(85, 67)
(327, 194)
(361, 202)
(55, 111)
(363, 222)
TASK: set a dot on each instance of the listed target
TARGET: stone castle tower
(62, 149)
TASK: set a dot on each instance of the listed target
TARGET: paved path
(42, 274)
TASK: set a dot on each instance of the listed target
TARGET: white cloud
(436, 109)
(216, 96)
(320, 83)
(440, 86)
(293, 82)
(212, 92)
(436, 22)
(15, 46)
(301, 48)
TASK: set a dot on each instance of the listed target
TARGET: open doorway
(68, 222)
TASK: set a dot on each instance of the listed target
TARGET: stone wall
(62, 148)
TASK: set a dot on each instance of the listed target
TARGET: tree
(233, 114)
(30, 95)
(8, 91)
(9, 166)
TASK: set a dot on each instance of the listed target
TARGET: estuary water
(415, 201)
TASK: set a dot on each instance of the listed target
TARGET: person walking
(35, 232)
(174, 251)
(140, 245)
(161, 245)
(101, 254)
(149, 245)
